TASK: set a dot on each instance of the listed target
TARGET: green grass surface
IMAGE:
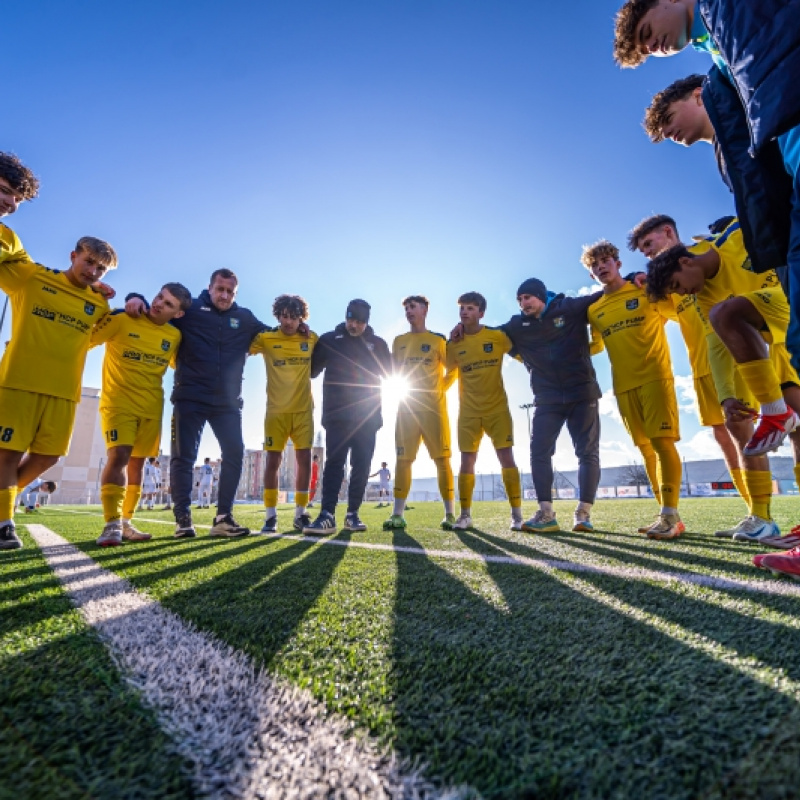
(520, 682)
(69, 726)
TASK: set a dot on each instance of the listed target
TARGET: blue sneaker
(325, 523)
(541, 523)
(270, 526)
(352, 522)
(754, 529)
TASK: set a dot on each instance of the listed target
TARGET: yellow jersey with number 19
(478, 358)
(288, 363)
(421, 358)
(51, 321)
(138, 353)
(632, 330)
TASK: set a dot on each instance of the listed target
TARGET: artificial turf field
(524, 675)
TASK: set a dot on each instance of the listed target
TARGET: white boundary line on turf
(770, 587)
(246, 734)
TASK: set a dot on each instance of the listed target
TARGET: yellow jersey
(632, 329)
(10, 246)
(694, 329)
(138, 353)
(421, 358)
(478, 361)
(51, 323)
(735, 275)
(288, 363)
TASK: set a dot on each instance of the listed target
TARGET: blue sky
(349, 149)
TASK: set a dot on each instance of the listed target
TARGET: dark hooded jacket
(354, 366)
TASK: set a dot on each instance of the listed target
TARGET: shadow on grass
(555, 695)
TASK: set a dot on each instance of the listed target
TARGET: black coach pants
(341, 439)
(583, 424)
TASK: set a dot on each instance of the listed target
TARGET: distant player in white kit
(150, 481)
(205, 484)
(30, 494)
(385, 486)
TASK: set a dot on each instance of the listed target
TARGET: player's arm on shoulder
(106, 327)
(667, 308)
(136, 305)
(596, 344)
(15, 272)
(258, 345)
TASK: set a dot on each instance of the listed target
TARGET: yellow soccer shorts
(783, 366)
(123, 429)
(279, 428)
(427, 426)
(709, 409)
(774, 307)
(650, 411)
(498, 427)
(35, 423)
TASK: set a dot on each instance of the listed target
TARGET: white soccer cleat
(463, 522)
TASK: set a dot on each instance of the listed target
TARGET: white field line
(770, 587)
(246, 734)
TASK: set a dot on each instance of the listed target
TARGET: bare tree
(635, 475)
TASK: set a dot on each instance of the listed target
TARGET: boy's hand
(135, 307)
(303, 329)
(457, 334)
(108, 292)
(736, 411)
(640, 280)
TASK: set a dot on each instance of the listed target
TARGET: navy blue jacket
(354, 366)
(213, 352)
(555, 349)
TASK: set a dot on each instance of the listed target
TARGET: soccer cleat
(302, 522)
(353, 523)
(758, 560)
(541, 522)
(771, 431)
(753, 529)
(228, 528)
(667, 526)
(646, 528)
(270, 525)
(324, 523)
(183, 527)
(787, 542)
(729, 533)
(111, 535)
(516, 523)
(8, 537)
(782, 563)
(582, 523)
(448, 523)
(132, 534)
(395, 523)
(463, 522)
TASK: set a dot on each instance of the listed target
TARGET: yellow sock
(759, 485)
(301, 499)
(466, 486)
(111, 496)
(513, 486)
(270, 498)
(762, 380)
(669, 471)
(737, 476)
(797, 474)
(132, 495)
(445, 474)
(402, 478)
(7, 498)
(651, 468)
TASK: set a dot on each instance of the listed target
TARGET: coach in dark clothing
(354, 360)
(551, 338)
(216, 336)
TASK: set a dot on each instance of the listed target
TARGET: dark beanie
(535, 287)
(358, 310)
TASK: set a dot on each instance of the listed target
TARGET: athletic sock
(7, 498)
(449, 506)
(300, 502)
(112, 497)
(737, 476)
(399, 506)
(669, 473)
(466, 486)
(131, 500)
(797, 474)
(759, 485)
(651, 468)
(270, 499)
(513, 486)
(271, 512)
(444, 472)
(762, 380)
(586, 508)
(402, 479)
(546, 507)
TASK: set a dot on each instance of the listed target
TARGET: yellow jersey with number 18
(138, 353)
(478, 358)
(51, 321)
(288, 363)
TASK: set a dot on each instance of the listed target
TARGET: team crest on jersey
(426, 348)
(558, 322)
(632, 305)
(89, 308)
(165, 345)
(304, 346)
(488, 347)
(234, 322)
(370, 346)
